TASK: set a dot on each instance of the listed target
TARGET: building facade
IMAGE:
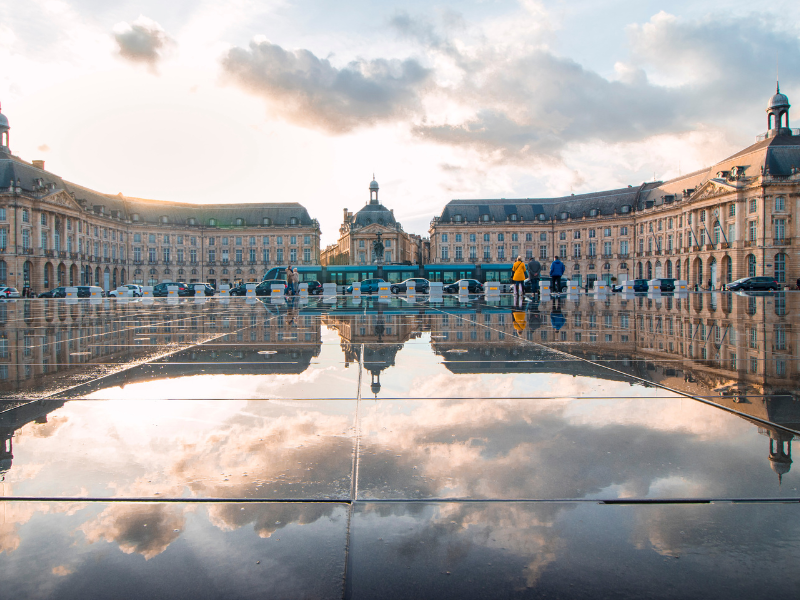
(359, 232)
(732, 220)
(53, 232)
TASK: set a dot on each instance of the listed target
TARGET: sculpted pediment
(713, 187)
(375, 228)
(62, 199)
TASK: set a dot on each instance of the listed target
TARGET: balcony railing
(749, 244)
(782, 242)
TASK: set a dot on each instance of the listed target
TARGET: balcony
(73, 255)
(657, 253)
(458, 259)
(709, 246)
(137, 261)
(695, 248)
(623, 255)
(607, 256)
(749, 244)
(782, 242)
(61, 253)
(725, 245)
(50, 253)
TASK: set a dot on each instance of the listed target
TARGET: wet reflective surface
(582, 447)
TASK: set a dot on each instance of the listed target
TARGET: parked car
(135, 289)
(368, 286)
(314, 288)
(90, 291)
(9, 292)
(58, 292)
(639, 286)
(422, 286)
(238, 290)
(162, 289)
(473, 286)
(265, 287)
(209, 289)
(753, 283)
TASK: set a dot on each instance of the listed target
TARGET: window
(43, 220)
(780, 203)
(238, 240)
(562, 235)
(501, 237)
(2, 214)
(607, 232)
(487, 254)
(576, 250)
(137, 253)
(444, 237)
(514, 252)
(780, 268)
(717, 232)
(192, 256)
(542, 251)
(528, 237)
(293, 240)
(472, 238)
(623, 247)
(485, 218)
(307, 240)
(591, 233)
(731, 233)
(753, 205)
(265, 255)
(753, 230)
(607, 248)
(780, 229)
(472, 253)
(26, 239)
(562, 251)
(212, 256)
(293, 221)
(293, 254)
(732, 209)
(751, 265)
(212, 241)
(623, 230)
(387, 244)
(165, 252)
(238, 255)
(25, 215)
(279, 240)
(459, 254)
(180, 255)
(151, 254)
(307, 255)
(512, 217)
(592, 249)
(458, 237)
(501, 253)
(703, 216)
(151, 237)
(542, 237)
(137, 238)
(225, 241)
(360, 243)
(225, 256)
(485, 237)
(576, 235)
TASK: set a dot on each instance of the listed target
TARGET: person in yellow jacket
(519, 277)
(519, 321)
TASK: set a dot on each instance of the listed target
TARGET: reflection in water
(735, 350)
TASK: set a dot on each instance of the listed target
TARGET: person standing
(296, 281)
(519, 277)
(534, 273)
(556, 271)
(289, 281)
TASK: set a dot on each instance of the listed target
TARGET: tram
(344, 275)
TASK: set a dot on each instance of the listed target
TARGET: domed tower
(373, 191)
(780, 453)
(778, 114)
(4, 128)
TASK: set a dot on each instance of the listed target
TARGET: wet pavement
(459, 448)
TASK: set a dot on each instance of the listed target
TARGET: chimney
(345, 214)
(39, 164)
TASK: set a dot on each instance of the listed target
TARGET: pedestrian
(556, 271)
(519, 277)
(798, 283)
(296, 281)
(534, 272)
(710, 285)
(289, 281)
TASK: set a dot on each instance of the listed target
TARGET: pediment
(713, 187)
(375, 228)
(62, 199)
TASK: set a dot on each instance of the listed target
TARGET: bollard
(463, 288)
(384, 294)
(573, 289)
(654, 285)
(356, 288)
(435, 290)
(681, 286)
(250, 290)
(224, 291)
(199, 290)
(492, 288)
(172, 291)
(72, 292)
(304, 290)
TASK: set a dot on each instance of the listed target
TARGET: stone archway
(712, 272)
(62, 274)
(73, 275)
(48, 275)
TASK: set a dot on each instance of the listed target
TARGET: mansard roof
(35, 180)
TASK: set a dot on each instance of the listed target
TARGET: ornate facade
(360, 232)
(53, 232)
(732, 220)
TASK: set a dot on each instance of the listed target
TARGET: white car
(9, 292)
(136, 290)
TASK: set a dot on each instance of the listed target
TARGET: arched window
(728, 269)
(164, 220)
(677, 269)
(457, 218)
(780, 267)
(212, 222)
(649, 270)
(641, 271)
(751, 265)
(699, 278)
(485, 218)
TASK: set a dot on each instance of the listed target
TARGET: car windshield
(743, 279)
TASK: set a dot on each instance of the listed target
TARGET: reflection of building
(53, 232)
(734, 219)
(360, 232)
(14, 416)
(381, 335)
(736, 349)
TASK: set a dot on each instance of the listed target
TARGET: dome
(778, 100)
(374, 213)
(373, 184)
(780, 465)
(4, 122)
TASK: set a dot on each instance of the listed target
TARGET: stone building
(359, 232)
(53, 232)
(710, 227)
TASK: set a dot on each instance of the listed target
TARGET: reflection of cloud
(62, 571)
(445, 385)
(146, 529)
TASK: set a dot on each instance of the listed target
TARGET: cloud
(143, 41)
(311, 92)
(43, 148)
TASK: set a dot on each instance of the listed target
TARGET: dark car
(422, 286)
(753, 283)
(59, 292)
(666, 285)
(473, 286)
(314, 288)
(208, 288)
(265, 287)
(639, 285)
(238, 290)
(162, 289)
(368, 286)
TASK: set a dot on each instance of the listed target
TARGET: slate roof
(13, 168)
(373, 213)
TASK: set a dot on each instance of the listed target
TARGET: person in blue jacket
(556, 271)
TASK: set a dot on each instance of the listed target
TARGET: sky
(262, 101)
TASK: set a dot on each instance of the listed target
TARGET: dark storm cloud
(311, 92)
(142, 41)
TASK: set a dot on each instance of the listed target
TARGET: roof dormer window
(266, 221)
(212, 222)
(485, 218)
(239, 221)
(135, 217)
(594, 212)
(293, 221)
(513, 217)
(564, 216)
(192, 221)
(457, 218)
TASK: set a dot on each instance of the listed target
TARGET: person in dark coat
(534, 273)
(556, 271)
